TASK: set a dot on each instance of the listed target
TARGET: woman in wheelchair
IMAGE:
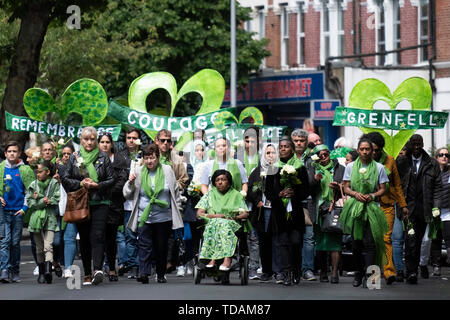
(221, 207)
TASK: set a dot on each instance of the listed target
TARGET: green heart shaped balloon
(85, 97)
(208, 83)
(249, 112)
(415, 90)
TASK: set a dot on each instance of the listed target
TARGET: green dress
(326, 241)
(219, 239)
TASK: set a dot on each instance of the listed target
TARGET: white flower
(238, 144)
(263, 174)
(8, 177)
(314, 157)
(436, 213)
(243, 193)
(61, 141)
(288, 169)
(362, 170)
(80, 160)
(36, 154)
(241, 210)
(138, 142)
(411, 232)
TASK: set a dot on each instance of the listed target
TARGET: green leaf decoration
(85, 97)
(415, 90)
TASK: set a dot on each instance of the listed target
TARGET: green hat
(319, 148)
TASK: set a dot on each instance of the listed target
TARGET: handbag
(77, 207)
(330, 218)
(308, 221)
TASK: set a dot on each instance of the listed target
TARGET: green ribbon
(150, 193)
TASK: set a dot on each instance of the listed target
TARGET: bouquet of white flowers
(194, 190)
(288, 179)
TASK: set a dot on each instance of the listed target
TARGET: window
(261, 23)
(301, 35)
(397, 34)
(423, 29)
(381, 36)
(332, 28)
(341, 35)
(284, 36)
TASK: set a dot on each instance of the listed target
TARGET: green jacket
(43, 217)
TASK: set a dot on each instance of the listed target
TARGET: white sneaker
(68, 273)
(189, 270)
(259, 270)
(36, 271)
(181, 271)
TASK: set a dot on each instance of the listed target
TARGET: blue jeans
(70, 244)
(308, 250)
(121, 248)
(397, 244)
(2, 223)
(10, 244)
(132, 259)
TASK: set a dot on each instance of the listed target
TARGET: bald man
(313, 140)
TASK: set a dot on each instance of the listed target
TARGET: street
(183, 288)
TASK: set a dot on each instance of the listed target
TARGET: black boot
(48, 272)
(358, 279)
(400, 277)
(41, 267)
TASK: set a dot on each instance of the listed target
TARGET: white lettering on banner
(71, 132)
(32, 124)
(431, 121)
(386, 118)
(189, 127)
(361, 118)
(62, 131)
(421, 120)
(41, 127)
(411, 119)
(132, 114)
(144, 121)
(23, 124)
(161, 123)
(79, 131)
(373, 119)
(351, 117)
(200, 123)
(213, 116)
(51, 127)
(171, 120)
(15, 124)
(398, 118)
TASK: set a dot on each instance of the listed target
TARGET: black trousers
(364, 251)
(413, 244)
(290, 245)
(436, 244)
(265, 252)
(111, 245)
(153, 240)
(92, 238)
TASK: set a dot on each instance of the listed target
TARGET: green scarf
(26, 175)
(150, 193)
(89, 158)
(165, 160)
(227, 204)
(305, 155)
(233, 168)
(249, 166)
(327, 177)
(355, 213)
(38, 217)
(293, 161)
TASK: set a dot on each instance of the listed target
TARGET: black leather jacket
(71, 177)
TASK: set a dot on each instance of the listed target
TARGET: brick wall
(409, 33)
(367, 37)
(273, 25)
(312, 38)
(443, 30)
(293, 40)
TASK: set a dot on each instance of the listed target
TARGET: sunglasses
(440, 155)
(105, 133)
(165, 140)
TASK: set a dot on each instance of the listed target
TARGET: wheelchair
(239, 262)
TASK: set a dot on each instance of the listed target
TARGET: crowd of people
(155, 209)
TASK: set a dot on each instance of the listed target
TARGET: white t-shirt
(382, 176)
(207, 172)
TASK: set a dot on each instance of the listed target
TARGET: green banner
(390, 119)
(16, 123)
(147, 121)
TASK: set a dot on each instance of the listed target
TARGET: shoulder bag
(77, 207)
(330, 218)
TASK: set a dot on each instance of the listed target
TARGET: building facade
(339, 43)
